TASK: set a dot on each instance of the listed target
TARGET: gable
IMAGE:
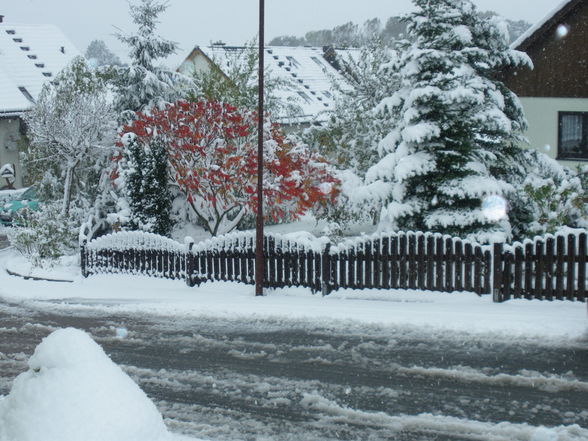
(558, 47)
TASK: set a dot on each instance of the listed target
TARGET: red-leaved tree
(212, 154)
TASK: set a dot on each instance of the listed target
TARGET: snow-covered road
(264, 379)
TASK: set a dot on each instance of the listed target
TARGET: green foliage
(147, 189)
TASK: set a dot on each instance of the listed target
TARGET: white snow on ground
(72, 392)
(459, 312)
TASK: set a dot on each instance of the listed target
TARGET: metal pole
(259, 264)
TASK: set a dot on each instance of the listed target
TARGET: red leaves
(212, 153)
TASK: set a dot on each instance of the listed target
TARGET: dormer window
(17, 40)
(40, 65)
(25, 48)
(47, 74)
(26, 93)
(32, 57)
(10, 31)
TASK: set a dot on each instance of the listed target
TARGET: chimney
(1, 18)
(62, 49)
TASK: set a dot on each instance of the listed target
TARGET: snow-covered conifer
(149, 201)
(457, 128)
(143, 84)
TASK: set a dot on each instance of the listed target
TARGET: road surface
(228, 379)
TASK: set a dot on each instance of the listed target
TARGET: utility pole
(259, 263)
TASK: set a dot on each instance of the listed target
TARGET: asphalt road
(223, 379)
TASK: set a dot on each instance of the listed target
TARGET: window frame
(567, 156)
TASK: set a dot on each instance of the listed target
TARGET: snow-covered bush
(549, 196)
(44, 235)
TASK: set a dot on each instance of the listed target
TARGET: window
(293, 62)
(572, 137)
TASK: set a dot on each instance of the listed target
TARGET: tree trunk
(67, 190)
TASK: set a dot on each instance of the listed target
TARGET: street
(262, 379)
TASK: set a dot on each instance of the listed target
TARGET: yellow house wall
(9, 135)
(542, 116)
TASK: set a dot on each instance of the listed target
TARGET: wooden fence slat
(421, 267)
(439, 265)
(549, 259)
(394, 262)
(571, 268)
(458, 269)
(582, 245)
(468, 260)
(539, 275)
(430, 259)
(518, 272)
(448, 257)
(559, 268)
(528, 284)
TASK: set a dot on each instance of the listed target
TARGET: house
(309, 76)
(30, 55)
(554, 94)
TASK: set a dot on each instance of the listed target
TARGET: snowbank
(74, 392)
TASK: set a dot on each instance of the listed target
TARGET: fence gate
(547, 268)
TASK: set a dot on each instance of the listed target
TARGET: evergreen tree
(99, 55)
(143, 84)
(146, 169)
(457, 128)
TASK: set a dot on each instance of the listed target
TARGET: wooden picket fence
(549, 268)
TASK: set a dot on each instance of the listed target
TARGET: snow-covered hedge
(137, 240)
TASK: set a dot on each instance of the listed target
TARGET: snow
(51, 50)
(73, 391)
(458, 312)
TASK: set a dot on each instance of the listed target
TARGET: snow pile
(74, 392)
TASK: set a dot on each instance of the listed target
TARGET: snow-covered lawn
(461, 312)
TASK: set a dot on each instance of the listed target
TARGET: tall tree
(457, 128)
(72, 129)
(143, 84)
(98, 55)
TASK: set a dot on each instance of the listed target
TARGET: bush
(43, 235)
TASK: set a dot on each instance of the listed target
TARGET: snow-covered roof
(30, 55)
(537, 28)
(309, 75)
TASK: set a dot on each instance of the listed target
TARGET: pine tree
(143, 84)
(146, 168)
(99, 55)
(457, 128)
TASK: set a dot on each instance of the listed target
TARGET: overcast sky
(199, 22)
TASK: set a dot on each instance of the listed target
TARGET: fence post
(189, 262)
(83, 258)
(326, 270)
(497, 273)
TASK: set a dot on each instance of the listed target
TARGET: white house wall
(542, 116)
(9, 136)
